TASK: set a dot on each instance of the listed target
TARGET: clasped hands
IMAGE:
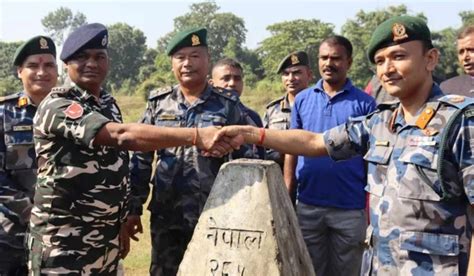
(219, 141)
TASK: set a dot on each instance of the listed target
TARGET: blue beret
(35, 45)
(90, 36)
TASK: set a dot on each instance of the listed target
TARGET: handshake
(220, 141)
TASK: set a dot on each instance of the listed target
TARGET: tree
(126, 52)
(8, 82)
(445, 42)
(221, 27)
(467, 17)
(359, 32)
(290, 36)
(61, 22)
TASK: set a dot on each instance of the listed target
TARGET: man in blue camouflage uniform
(36, 67)
(82, 189)
(420, 151)
(183, 177)
(229, 74)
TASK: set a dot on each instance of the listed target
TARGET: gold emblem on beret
(294, 59)
(43, 43)
(195, 40)
(104, 40)
(399, 32)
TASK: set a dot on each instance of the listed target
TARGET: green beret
(398, 30)
(293, 59)
(188, 38)
(34, 46)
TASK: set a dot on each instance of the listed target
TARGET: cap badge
(294, 59)
(104, 40)
(195, 40)
(399, 32)
(43, 43)
(74, 111)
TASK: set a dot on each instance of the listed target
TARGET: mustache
(330, 68)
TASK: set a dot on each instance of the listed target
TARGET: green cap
(193, 37)
(34, 46)
(398, 30)
(293, 59)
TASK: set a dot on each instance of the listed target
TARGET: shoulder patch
(457, 101)
(9, 97)
(226, 93)
(275, 101)
(160, 92)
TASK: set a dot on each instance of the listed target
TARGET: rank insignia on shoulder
(382, 143)
(22, 101)
(425, 117)
(74, 111)
(23, 128)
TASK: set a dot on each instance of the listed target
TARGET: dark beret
(293, 59)
(90, 36)
(34, 46)
(193, 37)
(398, 30)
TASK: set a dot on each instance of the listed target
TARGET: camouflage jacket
(17, 168)
(413, 231)
(81, 188)
(183, 177)
(277, 116)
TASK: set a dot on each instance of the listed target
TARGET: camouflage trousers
(73, 260)
(12, 261)
(169, 243)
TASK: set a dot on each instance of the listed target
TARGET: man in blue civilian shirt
(331, 197)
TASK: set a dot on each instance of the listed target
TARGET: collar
(202, 98)
(85, 96)
(346, 88)
(24, 100)
(285, 103)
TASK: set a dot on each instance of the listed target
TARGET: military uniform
(17, 179)
(183, 177)
(252, 118)
(81, 189)
(277, 116)
(414, 230)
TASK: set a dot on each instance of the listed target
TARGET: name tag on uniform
(415, 141)
(22, 128)
(382, 143)
(167, 117)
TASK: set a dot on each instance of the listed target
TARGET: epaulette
(457, 101)
(160, 92)
(9, 97)
(226, 93)
(275, 101)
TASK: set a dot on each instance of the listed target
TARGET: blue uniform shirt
(322, 181)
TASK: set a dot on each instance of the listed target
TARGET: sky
(21, 19)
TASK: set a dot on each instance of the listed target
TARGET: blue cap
(90, 36)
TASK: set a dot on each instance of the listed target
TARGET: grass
(138, 260)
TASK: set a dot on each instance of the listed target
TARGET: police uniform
(253, 119)
(18, 165)
(183, 177)
(277, 116)
(419, 175)
(80, 196)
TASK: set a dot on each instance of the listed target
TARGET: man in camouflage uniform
(420, 152)
(81, 193)
(183, 177)
(295, 76)
(36, 67)
(229, 74)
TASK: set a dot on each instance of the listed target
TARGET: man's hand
(216, 144)
(124, 241)
(133, 225)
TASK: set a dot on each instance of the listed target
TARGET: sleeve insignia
(74, 111)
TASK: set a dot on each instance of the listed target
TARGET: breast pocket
(378, 158)
(417, 174)
(212, 120)
(20, 151)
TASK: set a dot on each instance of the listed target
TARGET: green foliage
(156, 80)
(445, 42)
(8, 82)
(358, 31)
(59, 23)
(467, 17)
(290, 36)
(126, 52)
